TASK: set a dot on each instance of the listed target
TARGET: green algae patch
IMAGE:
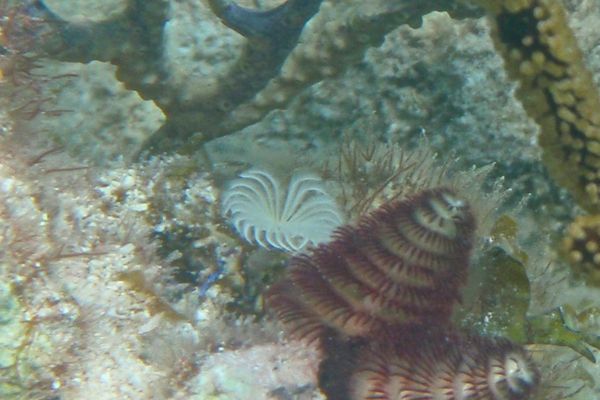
(12, 331)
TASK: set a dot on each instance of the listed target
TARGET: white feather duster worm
(263, 214)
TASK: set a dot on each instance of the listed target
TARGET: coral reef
(123, 276)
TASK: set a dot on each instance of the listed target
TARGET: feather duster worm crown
(444, 368)
(265, 214)
(402, 265)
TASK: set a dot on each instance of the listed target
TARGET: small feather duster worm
(450, 367)
(401, 266)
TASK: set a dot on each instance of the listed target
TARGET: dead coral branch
(287, 49)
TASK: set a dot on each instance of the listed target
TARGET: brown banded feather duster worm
(378, 299)
(450, 367)
(401, 265)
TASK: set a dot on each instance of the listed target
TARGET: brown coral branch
(272, 68)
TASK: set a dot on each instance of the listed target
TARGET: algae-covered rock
(259, 372)
(11, 334)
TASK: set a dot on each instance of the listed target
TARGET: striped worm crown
(444, 368)
(402, 265)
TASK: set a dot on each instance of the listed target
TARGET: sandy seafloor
(93, 304)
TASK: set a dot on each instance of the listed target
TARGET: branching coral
(134, 42)
(558, 92)
(582, 247)
(283, 54)
(556, 89)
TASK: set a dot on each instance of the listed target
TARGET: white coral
(262, 214)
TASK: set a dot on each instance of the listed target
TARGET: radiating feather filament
(263, 214)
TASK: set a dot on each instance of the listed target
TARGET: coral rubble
(85, 295)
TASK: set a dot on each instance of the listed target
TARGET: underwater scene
(300, 199)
